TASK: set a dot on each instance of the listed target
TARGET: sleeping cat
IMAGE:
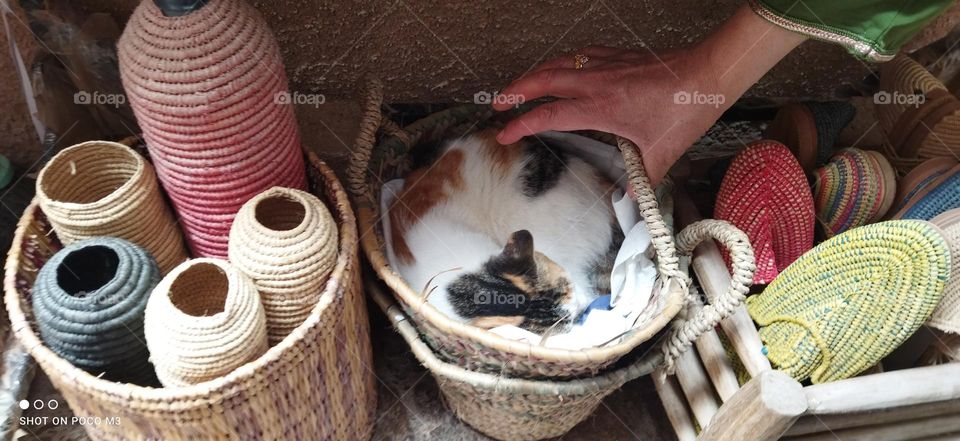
(522, 234)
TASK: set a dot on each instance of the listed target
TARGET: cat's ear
(519, 251)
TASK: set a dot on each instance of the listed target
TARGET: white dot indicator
(24, 404)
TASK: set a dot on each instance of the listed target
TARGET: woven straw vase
(480, 350)
(842, 307)
(101, 188)
(203, 320)
(208, 89)
(89, 300)
(947, 315)
(285, 240)
(315, 384)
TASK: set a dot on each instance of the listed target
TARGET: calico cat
(521, 234)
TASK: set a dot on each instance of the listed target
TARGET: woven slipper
(810, 129)
(941, 194)
(918, 178)
(947, 315)
(765, 194)
(845, 305)
(855, 188)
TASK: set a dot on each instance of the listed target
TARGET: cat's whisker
(427, 290)
(552, 328)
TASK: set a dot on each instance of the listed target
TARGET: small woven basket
(89, 301)
(489, 402)
(315, 384)
(285, 240)
(102, 188)
(203, 320)
(478, 349)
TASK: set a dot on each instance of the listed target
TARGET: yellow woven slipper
(847, 303)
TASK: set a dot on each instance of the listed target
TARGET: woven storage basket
(101, 188)
(842, 307)
(489, 402)
(315, 384)
(478, 349)
(916, 128)
(203, 321)
(285, 240)
(210, 93)
(89, 300)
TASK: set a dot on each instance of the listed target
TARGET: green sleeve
(871, 29)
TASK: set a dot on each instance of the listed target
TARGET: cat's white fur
(570, 224)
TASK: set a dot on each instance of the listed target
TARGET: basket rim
(368, 216)
(403, 325)
(126, 150)
(339, 278)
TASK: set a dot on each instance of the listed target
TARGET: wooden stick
(671, 397)
(881, 391)
(810, 424)
(763, 410)
(696, 387)
(904, 430)
(718, 366)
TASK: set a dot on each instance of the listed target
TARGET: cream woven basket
(479, 350)
(315, 384)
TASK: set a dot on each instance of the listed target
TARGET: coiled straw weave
(210, 93)
(855, 188)
(947, 315)
(203, 320)
(285, 240)
(89, 301)
(765, 194)
(101, 188)
(938, 194)
(850, 301)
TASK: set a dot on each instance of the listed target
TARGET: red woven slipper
(765, 194)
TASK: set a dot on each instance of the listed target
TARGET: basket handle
(371, 121)
(705, 318)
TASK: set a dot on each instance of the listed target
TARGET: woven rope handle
(707, 317)
(370, 122)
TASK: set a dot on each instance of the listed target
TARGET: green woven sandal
(847, 303)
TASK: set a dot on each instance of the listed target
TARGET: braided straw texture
(855, 188)
(285, 240)
(765, 194)
(316, 384)
(473, 348)
(845, 305)
(203, 320)
(210, 93)
(916, 130)
(88, 301)
(938, 196)
(947, 315)
(101, 188)
(508, 408)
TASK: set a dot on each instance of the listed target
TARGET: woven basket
(478, 349)
(101, 188)
(855, 188)
(916, 130)
(315, 384)
(203, 321)
(285, 240)
(853, 299)
(489, 402)
(210, 94)
(89, 300)
(947, 315)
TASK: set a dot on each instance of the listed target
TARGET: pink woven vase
(207, 89)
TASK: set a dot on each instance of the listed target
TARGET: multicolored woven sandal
(850, 301)
(938, 193)
(855, 188)
(765, 194)
(947, 315)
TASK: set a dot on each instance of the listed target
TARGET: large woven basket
(478, 349)
(315, 384)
